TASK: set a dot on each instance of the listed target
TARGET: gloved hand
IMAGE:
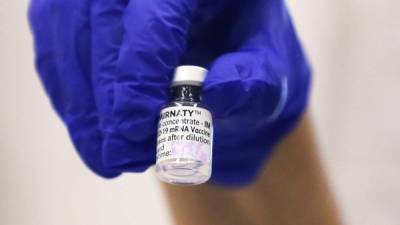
(107, 67)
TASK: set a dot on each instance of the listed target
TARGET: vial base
(187, 172)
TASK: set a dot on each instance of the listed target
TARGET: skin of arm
(292, 189)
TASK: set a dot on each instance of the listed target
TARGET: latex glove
(107, 67)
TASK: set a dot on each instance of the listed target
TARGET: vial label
(184, 134)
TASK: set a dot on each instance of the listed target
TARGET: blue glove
(107, 67)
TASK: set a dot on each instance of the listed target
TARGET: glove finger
(251, 95)
(264, 84)
(153, 40)
(61, 33)
(107, 34)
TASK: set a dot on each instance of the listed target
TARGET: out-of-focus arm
(292, 189)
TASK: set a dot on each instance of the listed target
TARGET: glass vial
(185, 132)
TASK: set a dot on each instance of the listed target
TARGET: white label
(184, 133)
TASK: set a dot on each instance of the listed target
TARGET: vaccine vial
(185, 131)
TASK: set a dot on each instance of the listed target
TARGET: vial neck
(186, 93)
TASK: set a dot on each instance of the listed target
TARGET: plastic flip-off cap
(189, 75)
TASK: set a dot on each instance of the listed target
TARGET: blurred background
(354, 47)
